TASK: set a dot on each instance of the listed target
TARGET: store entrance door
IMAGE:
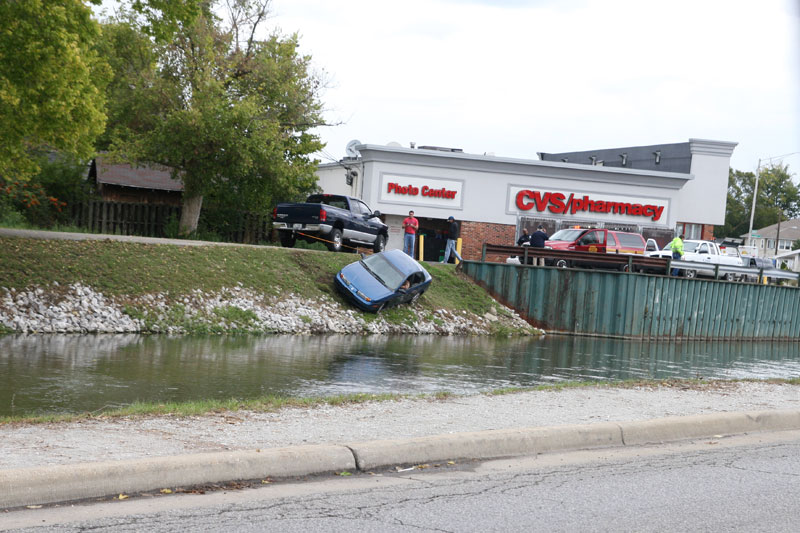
(435, 231)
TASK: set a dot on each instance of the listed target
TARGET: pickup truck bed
(340, 222)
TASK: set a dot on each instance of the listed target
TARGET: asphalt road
(743, 483)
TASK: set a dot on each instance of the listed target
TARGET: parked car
(758, 264)
(338, 221)
(594, 240)
(709, 254)
(383, 280)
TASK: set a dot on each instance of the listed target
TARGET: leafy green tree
(229, 113)
(777, 196)
(52, 82)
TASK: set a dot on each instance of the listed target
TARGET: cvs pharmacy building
(655, 190)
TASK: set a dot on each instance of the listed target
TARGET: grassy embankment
(129, 270)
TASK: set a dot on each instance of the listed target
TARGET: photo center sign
(414, 190)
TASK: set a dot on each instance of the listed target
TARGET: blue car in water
(382, 280)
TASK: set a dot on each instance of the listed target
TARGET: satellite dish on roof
(350, 149)
(395, 144)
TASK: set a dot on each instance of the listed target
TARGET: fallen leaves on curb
(344, 473)
(122, 497)
(166, 491)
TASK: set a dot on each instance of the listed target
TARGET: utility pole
(753, 209)
(755, 194)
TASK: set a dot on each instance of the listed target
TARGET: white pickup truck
(708, 253)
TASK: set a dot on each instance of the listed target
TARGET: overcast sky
(517, 77)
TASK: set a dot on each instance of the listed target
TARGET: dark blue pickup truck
(337, 221)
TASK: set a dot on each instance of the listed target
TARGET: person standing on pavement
(452, 237)
(538, 239)
(410, 227)
(677, 251)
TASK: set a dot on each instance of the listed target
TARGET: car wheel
(380, 244)
(562, 263)
(690, 274)
(380, 307)
(415, 298)
(288, 239)
(336, 240)
(729, 277)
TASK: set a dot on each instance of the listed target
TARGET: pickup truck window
(630, 240)
(361, 206)
(333, 201)
(592, 237)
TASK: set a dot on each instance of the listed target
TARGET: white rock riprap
(80, 309)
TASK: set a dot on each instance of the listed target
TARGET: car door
(591, 241)
(355, 226)
(372, 224)
(704, 253)
(415, 281)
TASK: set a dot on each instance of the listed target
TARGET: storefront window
(690, 231)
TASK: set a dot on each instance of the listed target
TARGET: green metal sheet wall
(597, 302)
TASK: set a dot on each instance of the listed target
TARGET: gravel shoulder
(31, 445)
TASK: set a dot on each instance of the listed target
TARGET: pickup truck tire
(689, 274)
(562, 263)
(380, 244)
(288, 239)
(335, 244)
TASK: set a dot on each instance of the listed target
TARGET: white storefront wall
(498, 190)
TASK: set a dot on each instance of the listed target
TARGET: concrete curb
(36, 486)
(29, 486)
(485, 444)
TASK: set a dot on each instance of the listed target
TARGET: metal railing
(632, 263)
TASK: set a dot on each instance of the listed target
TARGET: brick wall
(708, 232)
(474, 234)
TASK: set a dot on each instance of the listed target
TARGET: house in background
(763, 240)
(120, 182)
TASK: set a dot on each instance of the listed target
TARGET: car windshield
(566, 235)
(384, 271)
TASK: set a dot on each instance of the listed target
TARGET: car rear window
(630, 240)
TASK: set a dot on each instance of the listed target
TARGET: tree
(53, 78)
(229, 113)
(777, 195)
(51, 82)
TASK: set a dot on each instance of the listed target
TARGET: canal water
(79, 373)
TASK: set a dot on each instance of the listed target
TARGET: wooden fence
(152, 220)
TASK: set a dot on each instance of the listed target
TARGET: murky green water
(40, 374)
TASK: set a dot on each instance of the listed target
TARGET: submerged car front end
(361, 288)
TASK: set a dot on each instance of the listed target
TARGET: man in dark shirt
(452, 237)
(539, 237)
(524, 239)
(537, 241)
